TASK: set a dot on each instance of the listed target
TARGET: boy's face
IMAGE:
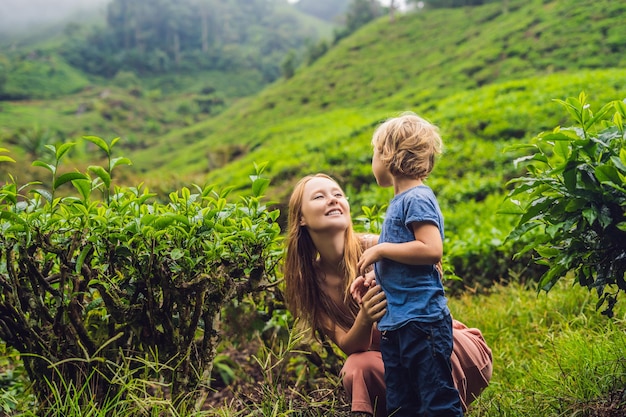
(381, 173)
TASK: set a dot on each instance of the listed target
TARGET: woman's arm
(359, 337)
(367, 240)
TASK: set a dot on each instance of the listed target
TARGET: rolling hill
(480, 73)
(486, 75)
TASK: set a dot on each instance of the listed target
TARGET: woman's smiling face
(324, 206)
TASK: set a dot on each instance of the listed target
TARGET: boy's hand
(368, 257)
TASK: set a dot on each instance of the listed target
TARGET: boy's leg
(426, 348)
(401, 399)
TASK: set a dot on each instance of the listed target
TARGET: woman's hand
(374, 304)
(361, 284)
(359, 337)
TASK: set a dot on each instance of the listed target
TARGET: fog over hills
(20, 15)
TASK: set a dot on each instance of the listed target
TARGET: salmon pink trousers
(472, 364)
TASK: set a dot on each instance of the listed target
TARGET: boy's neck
(401, 184)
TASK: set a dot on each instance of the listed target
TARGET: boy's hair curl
(407, 145)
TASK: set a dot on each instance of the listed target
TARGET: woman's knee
(366, 366)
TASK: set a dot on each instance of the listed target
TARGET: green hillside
(485, 75)
(321, 119)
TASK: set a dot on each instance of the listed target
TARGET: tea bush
(572, 200)
(107, 273)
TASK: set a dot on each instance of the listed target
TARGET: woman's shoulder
(367, 240)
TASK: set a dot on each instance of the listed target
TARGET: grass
(554, 355)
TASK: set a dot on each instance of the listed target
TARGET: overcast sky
(23, 13)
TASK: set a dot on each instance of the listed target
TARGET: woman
(322, 255)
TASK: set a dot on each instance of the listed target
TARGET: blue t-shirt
(414, 292)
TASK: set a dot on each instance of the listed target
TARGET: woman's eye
(317, 197)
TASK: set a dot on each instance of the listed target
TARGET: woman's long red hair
(303, 293)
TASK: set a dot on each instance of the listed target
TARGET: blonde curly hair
(408, 145)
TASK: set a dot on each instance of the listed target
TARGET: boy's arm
(426, 249)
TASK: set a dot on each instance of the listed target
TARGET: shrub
(572, 201)
(86, 282)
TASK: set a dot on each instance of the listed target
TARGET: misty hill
(442, 63)
(20, 18)
(165, 44)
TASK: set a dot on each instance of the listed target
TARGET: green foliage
(572, 201)
(183, 36)
(86, 282)
(38, 74)
(372, 219)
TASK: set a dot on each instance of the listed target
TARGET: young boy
(417, 327)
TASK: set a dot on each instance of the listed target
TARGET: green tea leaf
(84, 188)
(176, 254)
(42, 164)
(70, 176)
(100, 143)
(12, 217)
(607, 173)
(547, 252)
(259, 186)
(82, 256)
(44, 193)
(63, 149)
(119, 161)
(102, 174)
